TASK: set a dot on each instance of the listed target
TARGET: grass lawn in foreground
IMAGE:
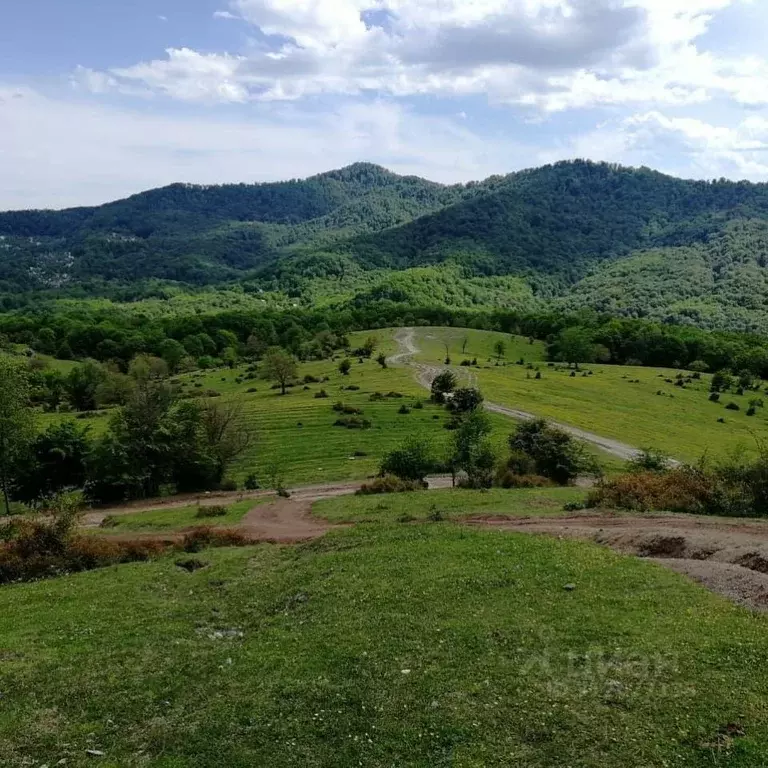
(392, 645)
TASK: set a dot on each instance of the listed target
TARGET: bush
(390, 484)
(412, 461)
(442, 385)
(714, 397)
(311, 379)
(206, 538)
(376, 396)
(506, 478)
(214, 511)
(251, 483)
(732, 407)
(349, 410)
(321, 395)
(352, 422)
(556, 455)
(436, 515)
(643, 492)
(228, 485)
(404, 410)
(649, 460)
(465, 400)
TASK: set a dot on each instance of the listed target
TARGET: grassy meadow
(384, 644)
(621, 402)
(159, 520)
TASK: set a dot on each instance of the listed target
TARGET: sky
(99, 100)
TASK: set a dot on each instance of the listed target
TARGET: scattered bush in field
(714, 397)
(214, 511)
(752, 411)
(403, 410)
(352, 388)
(110, 521)
(574, 506)
(418, 405)
(344, 367)
(465, 400)
(466, 363)
(191, 564)
(405, 518)
(283, 493)
(251, 483)
(382, 360)
(556, 454)
(505, 478)
(413, 460)
(395, 395)
(206, 538)
(538, 375)
(44, 548)
(731, 488)
(443, 384)
(649, 460)
(756, 403)
(721, 421)
(359, 454)
(376, 397)
(228, 485)
(732, 407)
(436, 515)
(251, 390)
(721, 381)
(212, 393)
(348, 409)
(390, 484)
(321, 395)
(352, 422)
(311, 379)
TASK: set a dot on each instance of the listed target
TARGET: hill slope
(627, 241)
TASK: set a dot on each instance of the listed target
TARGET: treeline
(156, 440)
(222, 338)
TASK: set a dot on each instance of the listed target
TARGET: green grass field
(452, 504)
(611, 402)
(177, 519)
(383, 645)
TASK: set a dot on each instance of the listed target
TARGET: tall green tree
(16, 422)
(279, 366)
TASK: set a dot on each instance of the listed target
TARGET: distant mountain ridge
(564, 229)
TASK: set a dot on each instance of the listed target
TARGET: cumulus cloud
(550, 55)
(99, 152)
(683, 146)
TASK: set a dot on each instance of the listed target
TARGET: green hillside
(629, 242)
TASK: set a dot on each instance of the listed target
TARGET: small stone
(406, 671)
(569, 587)
(94, 753)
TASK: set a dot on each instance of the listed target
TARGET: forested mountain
(204, 234)
(578, 234)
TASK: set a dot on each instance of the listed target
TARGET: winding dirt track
(425, 375)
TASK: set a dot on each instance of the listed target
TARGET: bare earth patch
(729, 557)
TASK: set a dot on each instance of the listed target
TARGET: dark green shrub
(412, 461)
(251, 483)
(390, 484)
(216, 510)
(732, 407)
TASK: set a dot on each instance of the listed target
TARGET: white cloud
(683, 146)
(98, 153)
(224, 15)
(550, 55)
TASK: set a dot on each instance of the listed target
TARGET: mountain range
(579, 235)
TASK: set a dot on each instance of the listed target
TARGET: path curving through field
(425, 374)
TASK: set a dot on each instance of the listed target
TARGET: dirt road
(425, 374)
